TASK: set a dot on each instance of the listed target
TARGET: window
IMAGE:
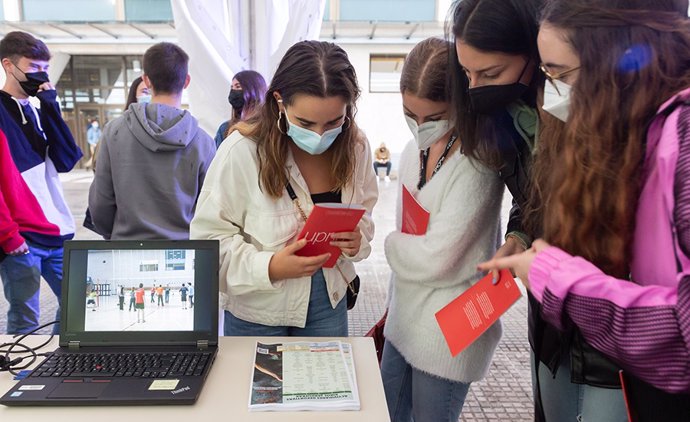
(388, 10)
(78, 10)
(384, 72)
(148, 10)
(175, 260)
(143, 268)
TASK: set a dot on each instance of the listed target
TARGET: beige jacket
(251, 227)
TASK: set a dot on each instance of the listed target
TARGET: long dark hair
(634, 55)
(505, 26)
(315, 68)
(132, 95)
(253, 91)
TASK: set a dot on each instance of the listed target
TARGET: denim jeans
(564, 401)
(322, 319)
(413, 395)
(21, 280)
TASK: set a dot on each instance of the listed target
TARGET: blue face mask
(310, 141)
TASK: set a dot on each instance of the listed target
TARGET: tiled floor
(505, 395)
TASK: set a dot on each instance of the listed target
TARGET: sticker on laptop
(16, 394)
(164, 385)
(32, 387)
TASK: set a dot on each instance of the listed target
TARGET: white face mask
(555, 104)
(428, 133)
(145, 98)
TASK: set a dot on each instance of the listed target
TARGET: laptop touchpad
(78, 390)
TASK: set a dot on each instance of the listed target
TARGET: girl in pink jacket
(616, 206)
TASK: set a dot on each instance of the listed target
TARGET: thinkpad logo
(181, 390)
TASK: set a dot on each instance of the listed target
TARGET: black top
(322, 197)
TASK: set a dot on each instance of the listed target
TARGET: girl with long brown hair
(495, 85)
(304, 143)
(615, 191)
(422, 381)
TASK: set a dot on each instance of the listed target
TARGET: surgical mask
(144, 99)
(310, 141)
(95, 125)
(236, 99)
(489, 98)
(427, 133)
(33, 81)
(558, 105)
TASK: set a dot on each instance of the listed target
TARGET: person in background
(121, 297)
(421, 380)
(304, 137)
(132, 299)
(139, 302)
(93, 135)
(41, 146)
(246, 97)
(159, 294)
(183, 295)
(138, 93)
(382, 159)
(191, 295)
(616, 194)
(167, 293)
(157, 142)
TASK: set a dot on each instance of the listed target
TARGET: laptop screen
(153, 292)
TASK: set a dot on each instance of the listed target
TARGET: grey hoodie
(151, 165)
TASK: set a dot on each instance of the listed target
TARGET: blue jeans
(322, 319)
(21, 280)
(566, 401)
(413, 395)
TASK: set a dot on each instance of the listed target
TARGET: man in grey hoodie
(153, 159)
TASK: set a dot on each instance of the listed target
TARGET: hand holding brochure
(304, 376)
(415, 218)
(464, 319)
(324, 220)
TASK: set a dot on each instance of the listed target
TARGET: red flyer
(324, 220)
(464, 319)
(415, 218)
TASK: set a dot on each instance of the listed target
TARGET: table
(225, 394)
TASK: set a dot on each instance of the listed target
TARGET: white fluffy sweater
(464, 201)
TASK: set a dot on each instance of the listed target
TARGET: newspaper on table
(304, 376)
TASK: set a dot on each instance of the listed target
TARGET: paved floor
(505, 395)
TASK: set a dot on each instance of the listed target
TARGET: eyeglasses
(555, 77)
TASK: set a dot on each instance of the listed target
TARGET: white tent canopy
(223, 37)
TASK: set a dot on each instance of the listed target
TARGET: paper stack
(304, 376)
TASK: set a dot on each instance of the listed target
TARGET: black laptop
(139, 326)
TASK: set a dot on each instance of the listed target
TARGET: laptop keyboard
(139, 365)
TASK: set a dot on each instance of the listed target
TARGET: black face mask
(32, 82)
(489, 98)
(236, 99)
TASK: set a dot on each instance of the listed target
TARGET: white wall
(379, 115)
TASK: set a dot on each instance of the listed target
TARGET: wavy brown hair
(634, 55)
(424, 71)
(314, 68)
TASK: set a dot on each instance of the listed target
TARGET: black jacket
(588, 366)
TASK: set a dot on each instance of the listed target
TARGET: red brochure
(415, 218)
(324, 220)
(464, 319)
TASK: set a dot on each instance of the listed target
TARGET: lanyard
(424, 158)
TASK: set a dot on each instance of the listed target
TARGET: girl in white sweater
(421, 379)
(303, 144)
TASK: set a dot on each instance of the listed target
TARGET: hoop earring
(349, 123)
(280, 129)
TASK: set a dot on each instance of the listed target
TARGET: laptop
(158, 349)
